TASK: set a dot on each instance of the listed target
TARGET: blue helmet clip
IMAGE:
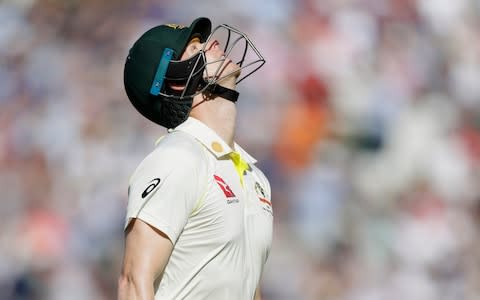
(157, 83)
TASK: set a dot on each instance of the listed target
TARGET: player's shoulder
(180, 143)
(173, 151)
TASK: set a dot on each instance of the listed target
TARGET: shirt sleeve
(166, 186)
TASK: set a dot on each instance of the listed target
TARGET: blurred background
(365, 118)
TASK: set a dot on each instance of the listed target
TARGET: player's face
(217, 64)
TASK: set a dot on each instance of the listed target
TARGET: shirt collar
(210, 139)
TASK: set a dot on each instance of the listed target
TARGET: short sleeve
(167, 185)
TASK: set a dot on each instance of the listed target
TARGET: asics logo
(153, 184)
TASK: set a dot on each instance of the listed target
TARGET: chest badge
(267, 205)
(259, 189)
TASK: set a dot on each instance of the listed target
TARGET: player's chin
(232, 69)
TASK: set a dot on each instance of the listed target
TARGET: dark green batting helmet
(143, 64)
(153, 67)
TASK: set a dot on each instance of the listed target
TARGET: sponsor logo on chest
(231, 198)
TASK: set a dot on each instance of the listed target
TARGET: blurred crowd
(365, 118)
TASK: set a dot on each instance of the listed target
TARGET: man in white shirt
(199, 216)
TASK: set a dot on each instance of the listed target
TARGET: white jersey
(219, 222)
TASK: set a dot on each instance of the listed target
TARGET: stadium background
(366, 118)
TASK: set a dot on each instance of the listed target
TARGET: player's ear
(193, 47)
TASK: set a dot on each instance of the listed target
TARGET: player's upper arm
(147, 251)
(167, 185)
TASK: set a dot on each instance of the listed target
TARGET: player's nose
(212, 45)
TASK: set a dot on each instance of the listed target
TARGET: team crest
(259, 189)
(267, 205)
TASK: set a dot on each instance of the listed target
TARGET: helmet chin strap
(216, 90)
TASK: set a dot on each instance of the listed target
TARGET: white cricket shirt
(219, 222)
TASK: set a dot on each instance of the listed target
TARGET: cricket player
(199, 216)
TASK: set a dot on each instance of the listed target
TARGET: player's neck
(220, 115)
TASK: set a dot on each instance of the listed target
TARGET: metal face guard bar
(250, 58)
